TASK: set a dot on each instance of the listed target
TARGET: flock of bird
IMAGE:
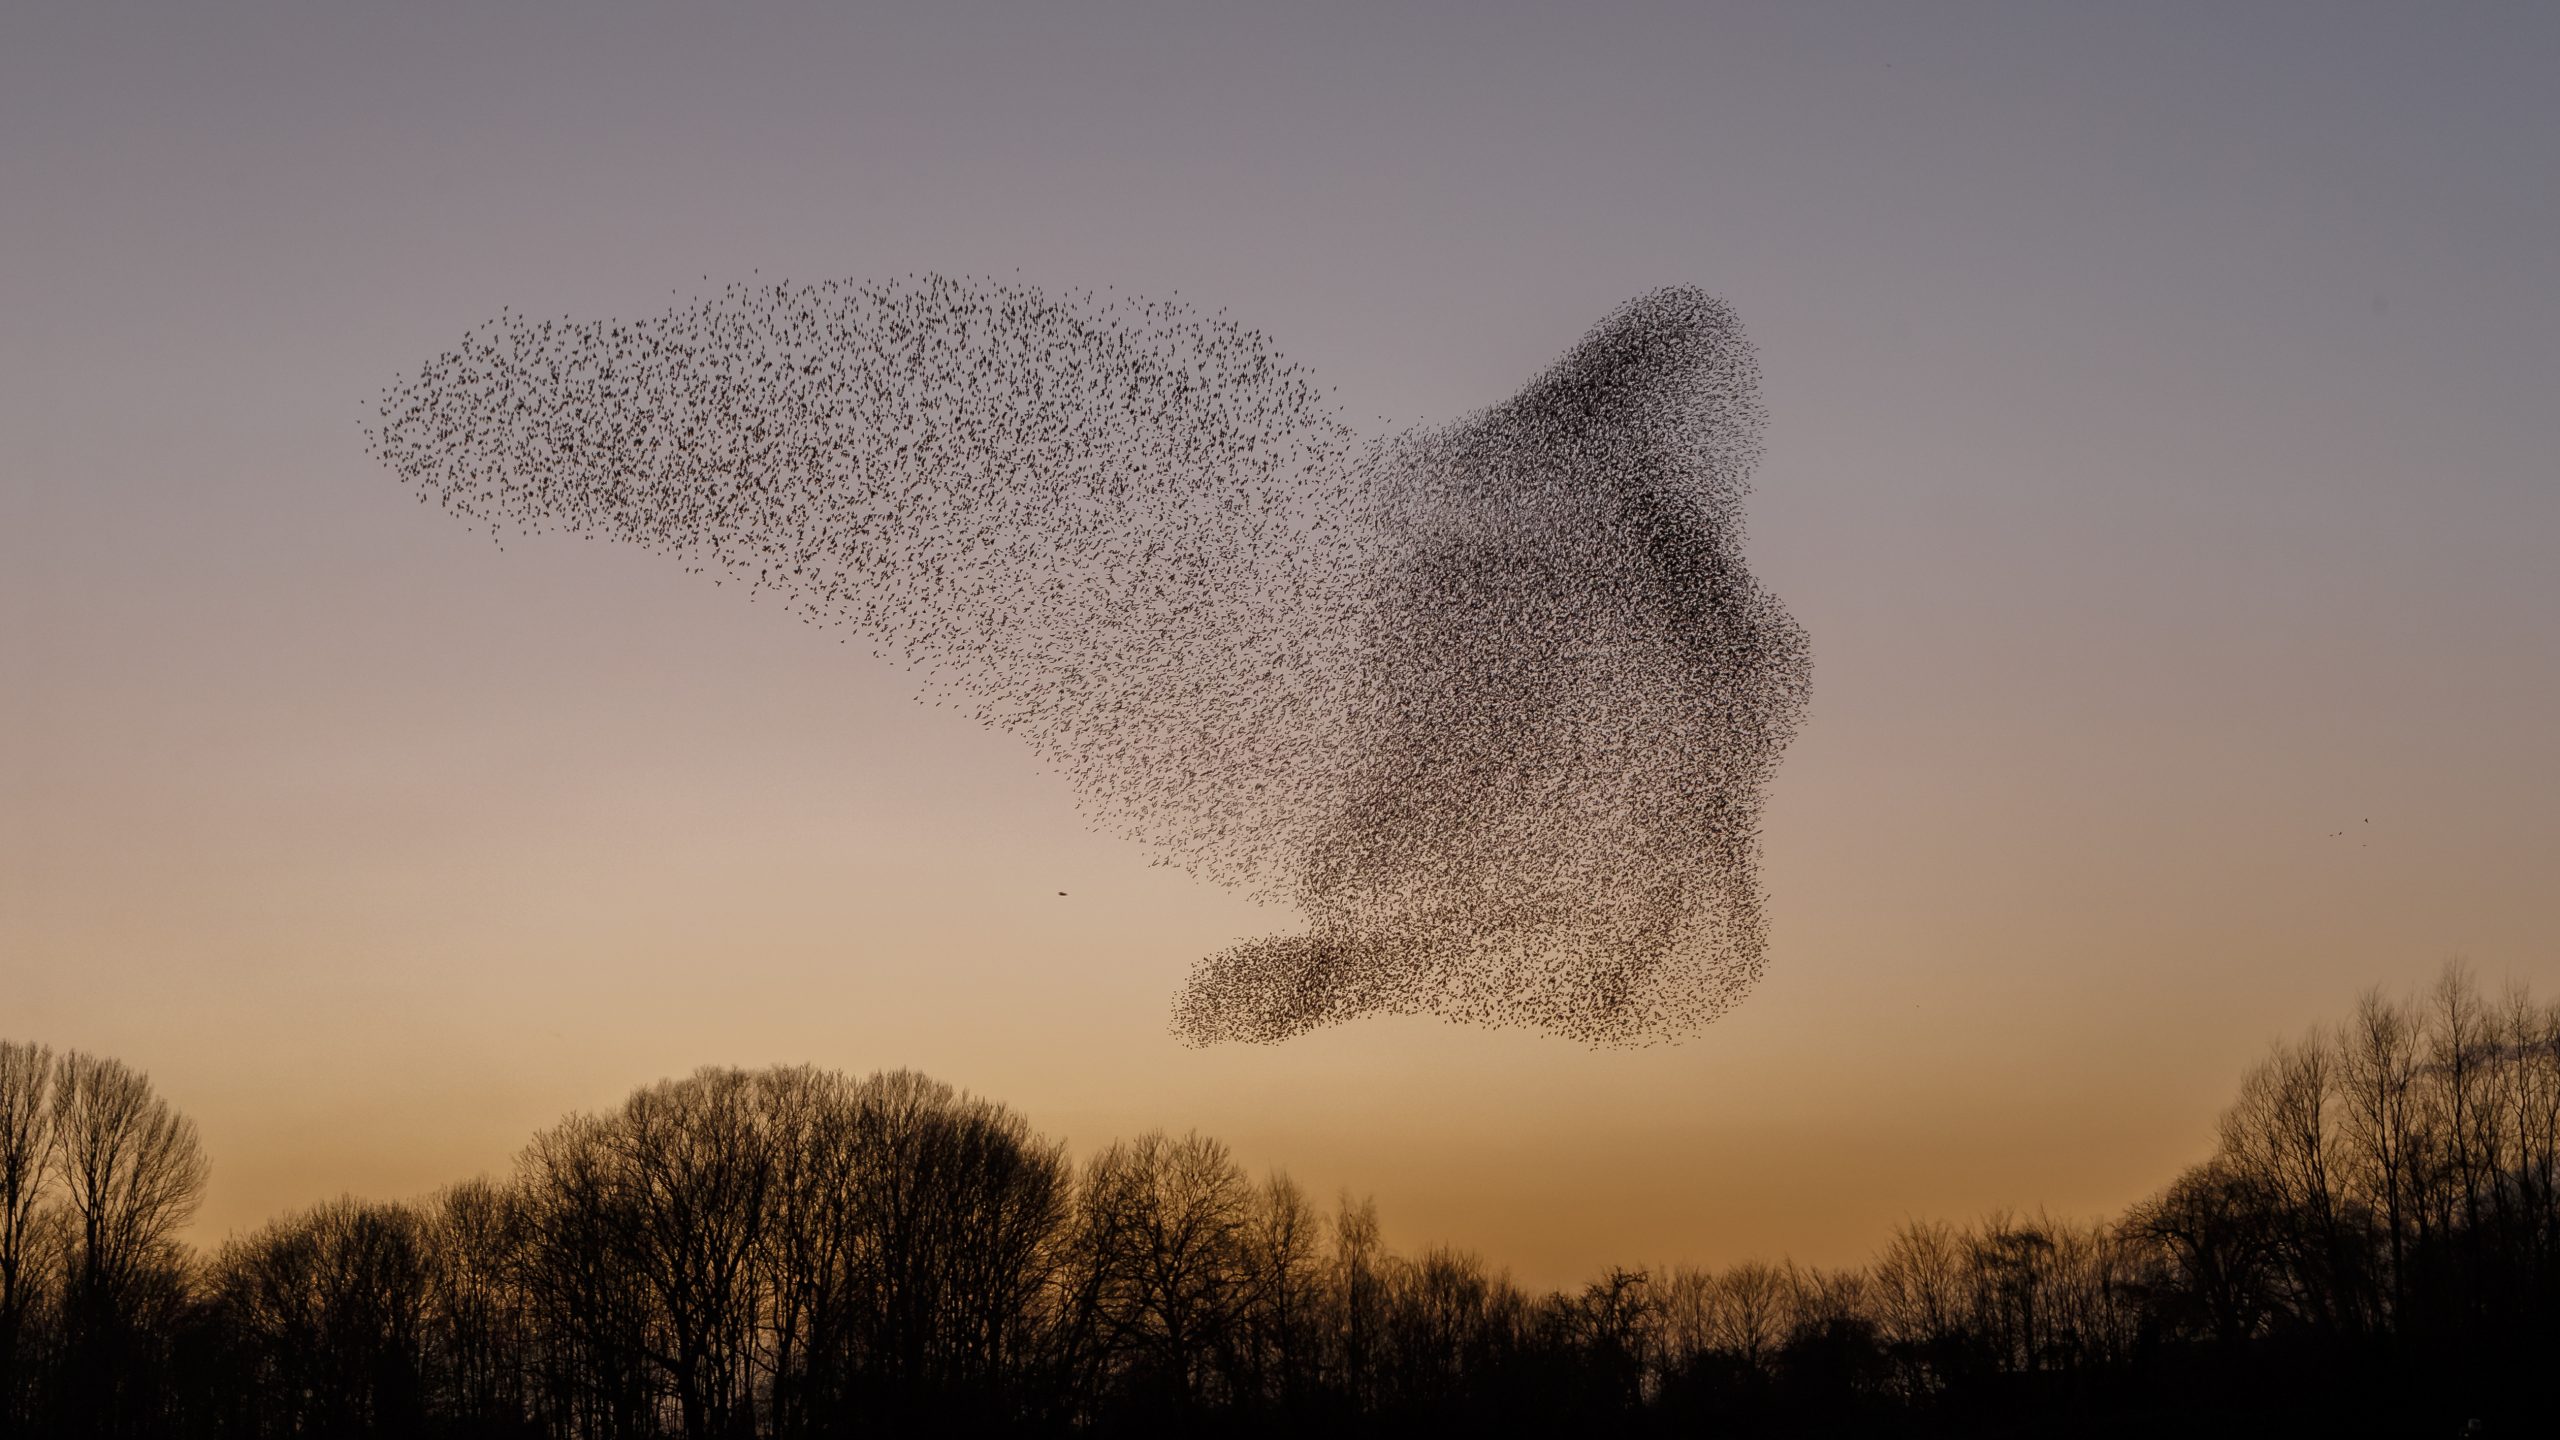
(1491, 703)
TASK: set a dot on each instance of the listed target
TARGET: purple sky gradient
(2165, 458)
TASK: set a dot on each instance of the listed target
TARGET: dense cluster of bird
(1492, 703)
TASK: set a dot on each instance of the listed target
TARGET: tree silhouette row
(2373, 1245)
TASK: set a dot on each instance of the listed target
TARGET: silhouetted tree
(326, 1315)
(1916, 1292)
(1167, 1231)
(26, 1178)
(2213, 1234)
(481, 1332)
(591, 1304)
(1282, 1318)
(132, 1172)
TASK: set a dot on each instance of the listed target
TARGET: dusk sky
(2164, 458)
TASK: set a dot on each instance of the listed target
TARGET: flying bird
(1491, 703)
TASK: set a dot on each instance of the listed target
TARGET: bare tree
(133, 1169)
(26, 1177)
(480, 1330)
(328, 1313)
(2284, 1135)
(583, 1284)
(956, 1204)
(1170, 1220)
(1357, 1298)
(691, 1168)
(2091, 1289)
(1916, 1290)
(1751, 1312)
(1441, 1313)
(1285, 1289)
(2010, 1262)
(1685, 1294)
(2462, 1061)
(807, 1242)
(2379, 1075)
(2212, 1232)
(132, 1173)
(2529, 1091)
(1621, 1325)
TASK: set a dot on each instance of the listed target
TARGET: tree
(26, 1177)
(1167, 1225)
(583, 1286)
(1284, 1293)
(2282, 1134)
(132, 1173)
(808, 1243)
(1751, 1304)
(327, 1312)
(1356, 1301)
(1621, 1324)
(133, 1168)
(953, 1213)
(2529, 1091)
(1917, 1291)
(1442, 1334)
(652, 1222)
(2214, 1234)
(479, 1327)
(2379, 1073)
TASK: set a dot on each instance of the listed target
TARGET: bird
(1492, 701)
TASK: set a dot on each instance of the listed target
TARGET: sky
(2161, 457)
